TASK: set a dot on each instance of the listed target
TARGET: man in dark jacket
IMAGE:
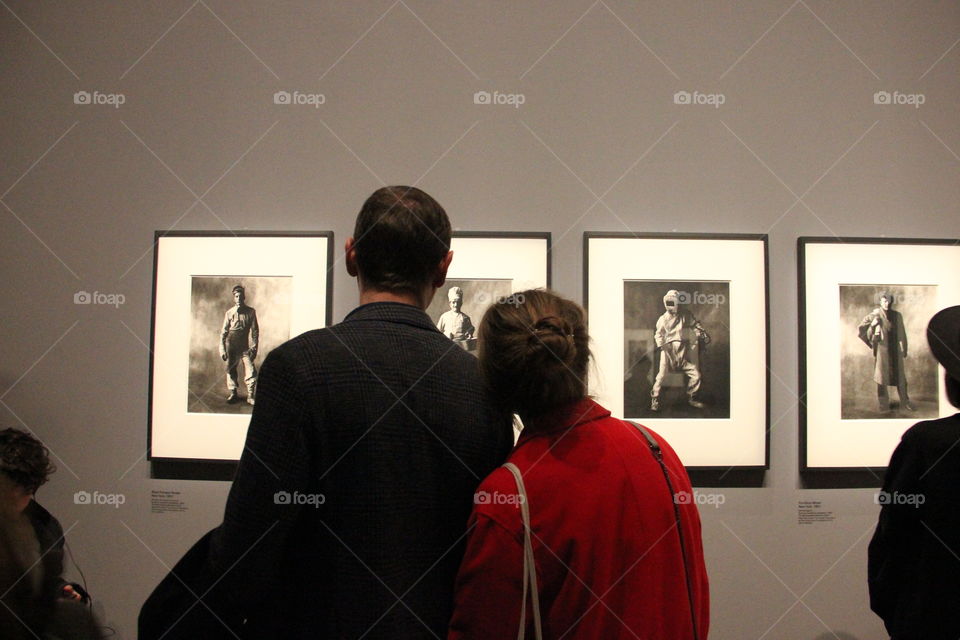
(913, 561)
(347, 516)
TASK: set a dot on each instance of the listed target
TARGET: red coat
(607, 551)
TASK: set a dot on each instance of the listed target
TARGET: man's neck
(405, 297)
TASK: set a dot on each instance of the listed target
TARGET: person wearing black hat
(914, 556)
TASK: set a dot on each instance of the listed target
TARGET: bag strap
(658, 455)
(529, 566)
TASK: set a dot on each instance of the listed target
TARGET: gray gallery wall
(798, 147)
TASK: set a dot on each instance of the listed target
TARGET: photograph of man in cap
(239, 338)
(455, 324)
(883, 331)
(912, 558)
(678, 336)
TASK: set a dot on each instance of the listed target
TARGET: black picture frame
(228, 255)
(853, 451)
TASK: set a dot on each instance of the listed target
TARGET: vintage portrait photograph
(676, 341)
(866, 372)
(235, 322)
(222, 301)
(459, 305)
(665, 310)
(886, 370)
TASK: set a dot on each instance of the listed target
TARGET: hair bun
(555, 324)
(555, 336)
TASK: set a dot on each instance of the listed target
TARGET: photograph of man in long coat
(884, 332)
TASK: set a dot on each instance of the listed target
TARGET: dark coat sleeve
(50, 536)
(227, 579)
(890, 556)
(261, 508)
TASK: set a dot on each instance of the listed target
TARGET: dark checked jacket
(348, 514)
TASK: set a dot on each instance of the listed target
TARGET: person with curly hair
(36, 597)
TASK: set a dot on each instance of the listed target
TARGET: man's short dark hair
(24, 459)
(401, 236)
(239, 288)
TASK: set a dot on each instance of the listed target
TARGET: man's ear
(442, 270)
(350, 256)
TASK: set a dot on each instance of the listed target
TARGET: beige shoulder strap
(529, 566)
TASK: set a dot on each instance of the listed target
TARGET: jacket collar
(397, 312)
(563, 419)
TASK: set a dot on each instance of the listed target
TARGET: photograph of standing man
(238, 343)
(883, 331)
(455, 324)
(678, 335)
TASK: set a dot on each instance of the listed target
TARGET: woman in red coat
(605, 538)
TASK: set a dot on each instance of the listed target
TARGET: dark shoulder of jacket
(921, 430)
(41, 518)
(46, 527)
(469, 363)
(289, 351)
(941, 433)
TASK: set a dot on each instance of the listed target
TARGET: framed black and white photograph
(487, 267)
(866, 373)
(679, 328)
(221, 303)
(676, 348)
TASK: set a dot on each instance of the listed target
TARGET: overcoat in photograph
(884, 332)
